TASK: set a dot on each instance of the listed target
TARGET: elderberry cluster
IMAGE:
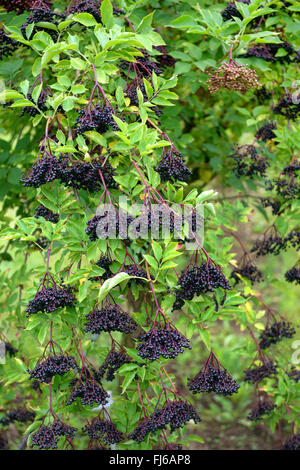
(275, 333)
(99, 119)
(213, 379)
(293, 443)
(274, 204)
(263, 407)
(197, 280)
(113, 361)
(262, 94)
(7, 45)
(257, 374)
(104, 430)
(144, 65)
(135, 270)
(248, 162)
(41, 104)
(87, 6)
(171, 167)
(110, 318)
(88, 391)
(265, 132)
(103, 263)
(107, 225)
(47, 437)
(84, 175)
(161, 341)
(56, 365)
(287, 107)
(47, 214)
(19, 415)
(273, 245)
(42, 14)
(268, 52)
(51, 298)
(231, 11)
(164, 59)
(42, 172)
(293, 275)
(19, 6)
(175, 413)
(249, 271)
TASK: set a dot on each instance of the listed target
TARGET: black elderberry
(84, 175)
(171, 167)
(249, 162)
(42, 14)
(165, 341)
(47, 214)
(113, 361)
(142, 430)
(99, 118)
(89, 392)
(144, 65)
(265, 132)
(287, 107)
(56, 365)
(264, 407)
(110, 224)
(104, 430)
(231, 11)
(51, 298)
(199, 280)
(43, 171)
(164, 59)
(293, 443)
(7, 45)
(19, 6)
(249, 271)
(275, 333)
(135, 270)
(272, 244)
(268, 52)
(110, 318)
(103, 263)
(41, 104)
(258, 373)
(19, 415)
(47, 437)
(293, 275)
(87, 6)
(274, 204)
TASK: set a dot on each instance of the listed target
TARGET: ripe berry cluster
(268, 52)
(293, 443)
(107, 225)
(43, 171)
(88, 391)
(231, 11)
(113, 361)
(263, 407)
(213, 379)
(47, 214)
(257, 374)
(51, 298)
(7, 45)
(171, 167)
(274, 204)
(265, 132)
(135, 270)
(47, 437)
(110, 318)
(87, 6)
(276, 332)
(248, 162)
(42, 14)
(272, 244)
(164, 341)
(175, 413)
(293, 275)
(104, 430)
(103, 263)
(99, 119)
(19, 415)
(84, 175)
(19, 6)
(164, 59)
(197, 280)
(262, 94)
(287, 107)
(56, 365)
(249, 271)
(41, 104)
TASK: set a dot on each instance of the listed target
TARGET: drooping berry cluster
(88, 390)
(199, 280)
(104, 430)
(110, 224)
(175, 413)
(273, 244)
(293, 443)
(43, 171)
(257, 374)
(47, 437)
(41, 104)
(213, 378)
(47, 214)
(288, 107)
(293, 275)
(103, 263)
(49, 299)
(249, 162)
(135, 270)
(269, 52)
(275, 333)
(265, 132)
(41, 14)
(232, 76)
(231, 11)
(53, 365)
(273, 203)
(110, 318)
(87, 6)
(19, 415)
(7, 45)
(100, 119)
(164, 341)
(84, 175)
(249, 271)
(264, 407)
(113, 361)
(171, 167)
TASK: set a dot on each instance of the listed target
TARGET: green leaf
(85, 18)
(107, 13)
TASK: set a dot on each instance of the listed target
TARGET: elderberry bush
(275, 333)
(51, 298)
(231, 11)
(213, 379)
(104, 430)
(86, 6)
(53, 365)
(42, 14)
(171, 167)
(47, 437)
(262, 409)
(110, 318)
(256, 374)
(47, 214)
(161, 341)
